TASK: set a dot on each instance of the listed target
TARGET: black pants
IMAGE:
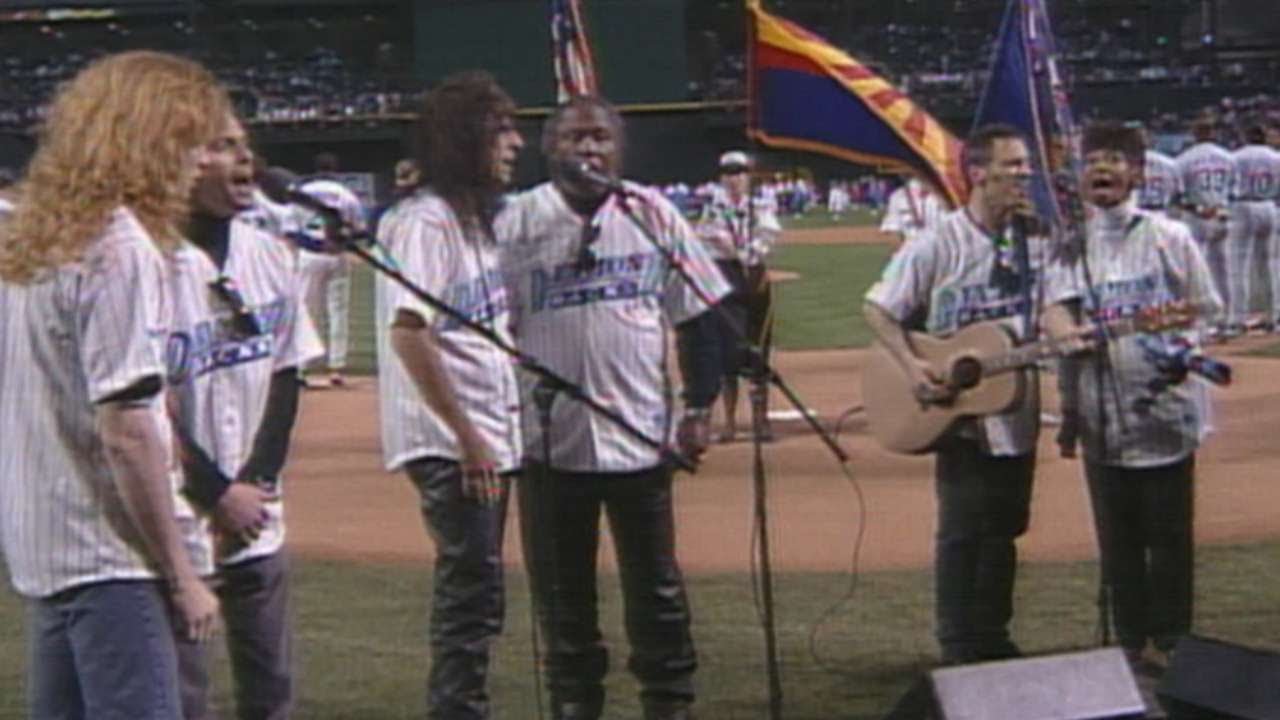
(467, 603)
(560, 515)
(747, 316)
(984, 505)
(1143, 518)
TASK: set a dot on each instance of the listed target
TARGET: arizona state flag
(806, 94)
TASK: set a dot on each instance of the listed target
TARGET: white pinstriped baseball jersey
(1161, 182)
(726, 228)
(423, 235)
(1138, 260)
(1257, 174)
(1208, 172)
(220, 375)
(946, 279)
(912, 210)
(602, 323)
(86, 332)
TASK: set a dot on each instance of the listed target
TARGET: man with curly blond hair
(95, 534)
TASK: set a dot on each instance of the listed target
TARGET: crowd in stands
(275, 81)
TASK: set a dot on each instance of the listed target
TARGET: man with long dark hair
(596, 302)
(449, 397)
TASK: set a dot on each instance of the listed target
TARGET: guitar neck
(1033, 352)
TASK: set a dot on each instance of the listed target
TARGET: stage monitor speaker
(1214, 679)
(1090, 685)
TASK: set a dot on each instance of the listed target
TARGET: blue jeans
(103, 651)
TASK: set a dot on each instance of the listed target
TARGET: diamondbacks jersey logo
(217, 343)
(1127, 297)
(481, 299)
(955, 306)
(610, 278)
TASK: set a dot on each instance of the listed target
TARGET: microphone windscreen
(276, 182)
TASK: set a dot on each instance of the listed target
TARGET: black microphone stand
(350, 242)
(763, 376)
(548, 384)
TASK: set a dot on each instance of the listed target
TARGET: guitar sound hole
(966, 373)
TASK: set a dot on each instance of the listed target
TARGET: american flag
(575, 69)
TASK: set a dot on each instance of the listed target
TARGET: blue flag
(1025, 89)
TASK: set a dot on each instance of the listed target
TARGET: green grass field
(820, 218)
(361, 629)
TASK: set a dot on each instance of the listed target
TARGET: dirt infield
(342, 505)
(849, 235)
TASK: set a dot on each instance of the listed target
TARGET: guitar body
(903, 424)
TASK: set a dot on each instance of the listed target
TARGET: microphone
(1024, 225)
(582, 171)
(283, 186)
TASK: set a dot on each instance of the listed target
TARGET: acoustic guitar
(984, 370)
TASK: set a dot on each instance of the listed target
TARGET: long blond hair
(121, 133)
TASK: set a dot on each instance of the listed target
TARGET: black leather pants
(560, 515)
(467, 603)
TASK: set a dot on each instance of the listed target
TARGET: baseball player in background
(1208, 171)
(1257, 187)
(328, 274)
(1140, 422)
(239, 334)
(913, 209)
(95, 535)
(1161, 187)
(449, 397)
(595, 302)
(740, 231)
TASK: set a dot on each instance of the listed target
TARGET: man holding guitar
(1139, 423)
(977, 265)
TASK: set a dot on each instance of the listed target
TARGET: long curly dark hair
(457, 124)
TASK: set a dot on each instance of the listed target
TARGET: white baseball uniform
(1256, 191)
(1161, 183)
(912, 210)
(78, 336)
(1208, 175)
(1138, 260)
(947, 282)
(328, 275)
(736, 231)
(220, 375)
(431, 248)
(603, 324)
